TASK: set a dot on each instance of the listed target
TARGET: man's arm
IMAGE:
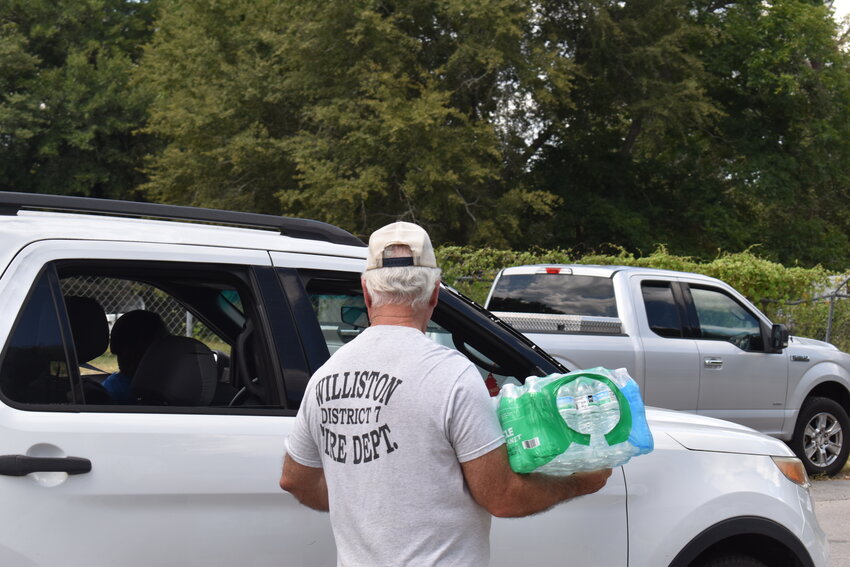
(306, 484)
(506, 494)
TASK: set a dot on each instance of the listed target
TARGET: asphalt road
(832, 506)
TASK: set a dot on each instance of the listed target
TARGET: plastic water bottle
(511, 418)
(585, 410)
(608, 407)
(567, 404)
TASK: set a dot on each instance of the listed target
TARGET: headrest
(133, 332)
(89, 327)
(177, 371)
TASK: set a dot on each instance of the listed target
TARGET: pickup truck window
(724, 319)
(661, 309)
(564, 294)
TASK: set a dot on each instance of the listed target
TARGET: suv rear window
(564, 294)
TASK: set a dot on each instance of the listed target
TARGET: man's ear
(366, 297)
(435, 295)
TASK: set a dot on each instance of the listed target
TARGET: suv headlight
(793, 469)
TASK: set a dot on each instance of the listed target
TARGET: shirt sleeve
(300, 444)
(471, 419)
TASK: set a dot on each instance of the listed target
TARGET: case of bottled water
(584, 420)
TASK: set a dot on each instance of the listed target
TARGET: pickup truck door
(739, 380)
(671, 370)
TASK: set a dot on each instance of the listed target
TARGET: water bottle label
(582, 403)
(531, 443)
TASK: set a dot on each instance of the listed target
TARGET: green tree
(781, 148)
(707, 126)
(700, 125)
(353, 112)
(67, 113)
(223, 104)
(639, 91)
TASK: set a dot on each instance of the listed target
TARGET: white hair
(410, 285)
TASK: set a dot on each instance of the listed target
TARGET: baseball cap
(404, 233)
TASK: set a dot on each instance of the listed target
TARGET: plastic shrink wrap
(563, 423)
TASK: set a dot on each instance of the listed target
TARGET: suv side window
(209, 350)
(722, 318)
(35, 368)
(120, 296)
(661, 309)
(340, 316)
(337, 301)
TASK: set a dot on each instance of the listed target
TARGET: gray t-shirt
(389, 418)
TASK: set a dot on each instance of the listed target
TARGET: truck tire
(821, 436)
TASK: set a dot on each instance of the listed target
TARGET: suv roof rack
(12, 202)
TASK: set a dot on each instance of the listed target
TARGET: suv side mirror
(779, 337)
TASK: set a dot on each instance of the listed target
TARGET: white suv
(187, 473)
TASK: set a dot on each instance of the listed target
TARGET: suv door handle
(22, 465)
(713, 362)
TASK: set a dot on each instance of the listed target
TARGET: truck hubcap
(823, 439)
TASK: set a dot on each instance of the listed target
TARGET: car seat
(90, 331)
(88, 326)
(176, 371)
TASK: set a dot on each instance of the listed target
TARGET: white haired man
(397, 436)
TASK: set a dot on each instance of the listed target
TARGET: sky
(842, 7)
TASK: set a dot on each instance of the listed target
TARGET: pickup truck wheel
(820, 436)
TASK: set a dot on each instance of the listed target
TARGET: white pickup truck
(692, 343)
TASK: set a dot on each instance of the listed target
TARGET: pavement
(832, 506)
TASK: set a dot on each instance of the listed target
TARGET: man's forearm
(532, 493)
(306, 484)
(315, 496)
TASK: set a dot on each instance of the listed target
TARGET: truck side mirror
(779, 337)
(354, 316)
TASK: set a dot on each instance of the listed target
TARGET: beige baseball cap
(405, 233)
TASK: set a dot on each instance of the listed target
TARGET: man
(397, 436)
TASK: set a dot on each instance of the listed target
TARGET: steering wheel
(741, 340)
(476, 358)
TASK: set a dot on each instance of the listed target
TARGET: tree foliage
(693, 124)
(784, 85)
(354, 112)
(67, 114)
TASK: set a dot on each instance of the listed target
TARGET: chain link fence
(118, 296)
(825, 317)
